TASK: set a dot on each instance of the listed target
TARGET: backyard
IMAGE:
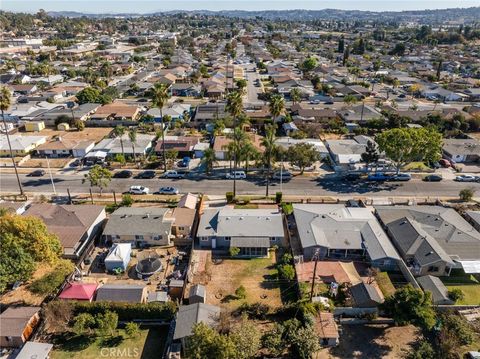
(147, 344)
(467, 283)
(224, 276)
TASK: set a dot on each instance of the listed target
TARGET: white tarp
(470, 266)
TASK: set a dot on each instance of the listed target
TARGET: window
(204, 239)
(228, 238)
(273, 239)
(139, 237)
(181, 228)
(157, 238)
(433, 269)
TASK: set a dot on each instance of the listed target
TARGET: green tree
(5, 103)
(120, 158)
(233, 251)
(295, 95)
(405, 145)
(88, 95)
(79, 125)
(411, 306)
(341, 44)
(208, 160)
(370, 156)
(423, 350)
(16, 264)
(246, 339)
(241, 84)
(132, 329)
(132, 136)
(107, 323)
(206, 342)
(305, 343)
(98, 177)
(309, 64)
(235, 108)
(286, 271)
(241, 292)
(456, 294)
(302, 155)
(274, 342)
(466, 194)
(350, 99)
(127, 200)
(160, 96)
(83, 324)
(119, 131)
(276, 105)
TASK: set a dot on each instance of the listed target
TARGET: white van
(236, 175)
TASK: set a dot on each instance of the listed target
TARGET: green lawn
(416, 166)
(148, 344)
(385, 284)
(471, 292)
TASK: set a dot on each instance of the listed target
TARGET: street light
(51, 177)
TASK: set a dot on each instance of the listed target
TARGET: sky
(147, 6)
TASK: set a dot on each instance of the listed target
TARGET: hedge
(129, 311)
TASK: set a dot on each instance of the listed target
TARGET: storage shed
(118, 257)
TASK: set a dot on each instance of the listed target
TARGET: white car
(284, 176)
(168, 190)
(173, 174)
(139, 190)
(466, 178)
(236, 175)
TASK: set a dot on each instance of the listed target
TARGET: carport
(251, 246)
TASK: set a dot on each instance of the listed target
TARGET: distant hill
(457, 14)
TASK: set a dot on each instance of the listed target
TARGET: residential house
(21, 145)
(366, 295)
(118, 111)
(472, 216)
(220, 146)
(184, 145)
(435, 286)
(432, 240)
(208, 113)
(461, 150)
(14, 207)
(253, 231)
(24, 89)
(81, 112)
(182, 224)
(17, 325)
(113, 146)
(359, 114)
(176, 112)
(189, 315)
(76, 226)
(345, 152)
(339, 232)
(125, 293)
(140, 226)
(326, 329)
(65, 147)
(287, 142)
(78, 291)
(118, 257)
(186, 90)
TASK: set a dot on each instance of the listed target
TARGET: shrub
(456, 294)
(466, 194)
(278, 197)
(132, 329)
(286, 271)
(127, 200)
(129, 311)
(51, 281)
(229, 196)
(234, 251)
(241, 292)
(254, 311)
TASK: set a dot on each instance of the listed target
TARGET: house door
(214, 243)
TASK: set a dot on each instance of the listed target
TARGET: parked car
(185, 162)
(236, 175)
(401, 177)
(173, 174)
(445, 163)
(146, 174)
(123, 174)
(353, 176)
(378, 176)
(139, 190)
(168, 190)
(36, 173)
(283, 175)
(433, 178)
(466, 178)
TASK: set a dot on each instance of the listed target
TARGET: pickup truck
(378, 176)
(173, 174)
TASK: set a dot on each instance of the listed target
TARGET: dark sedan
(123, 174)
(432, 178)
(146, 175)
(36, 173)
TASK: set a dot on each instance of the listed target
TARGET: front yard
(148, 344)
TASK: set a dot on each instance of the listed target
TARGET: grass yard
(148, 344)
(419, 166)
(257, 275)
(471, 292)
(385, 284)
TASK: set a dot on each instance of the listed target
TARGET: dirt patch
(89, 133)
(372, 341)
(327, 272)
(257, 275)
(42, 162)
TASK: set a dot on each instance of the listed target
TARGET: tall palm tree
(4, 105)
(132, 135)
(295, 95)
(119, 131)
(160, 95)
(235, 108)
(208, 160)
(277, 105)
(268, 142)
(248, 153)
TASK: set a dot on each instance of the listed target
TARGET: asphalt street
(302, 186)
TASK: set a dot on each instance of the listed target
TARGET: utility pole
(11, 154)
(315, 256)
(363, 107)
(51, 177)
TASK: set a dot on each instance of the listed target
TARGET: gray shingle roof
(189, 315)
(120, 293)
(453, 234)
(146, 221)
(365, 295)
(338, 227)
(435, 286)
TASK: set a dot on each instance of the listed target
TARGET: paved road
(252, 90)
(325, 186)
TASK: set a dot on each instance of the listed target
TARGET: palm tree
(277, 105)
(208, 160)
(119, 131)
(4, 105)
(295, 95)
(132, 135)
(248, 153)
(268, 142)
(235, 108)
(160, 95)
